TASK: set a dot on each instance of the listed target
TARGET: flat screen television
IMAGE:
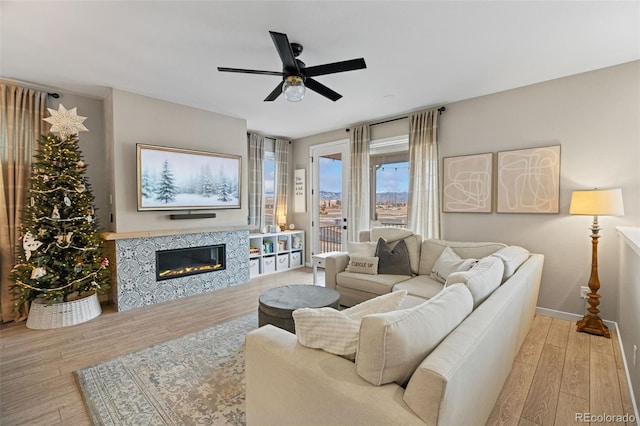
(183, 179)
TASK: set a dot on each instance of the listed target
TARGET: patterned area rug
(197, 379)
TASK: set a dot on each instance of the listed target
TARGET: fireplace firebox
(189, 261)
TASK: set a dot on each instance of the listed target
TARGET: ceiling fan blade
(274, 94)
(350, 65)
(244, 71)
(284, 50)
(322, 89)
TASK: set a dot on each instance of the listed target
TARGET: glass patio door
(330, 168)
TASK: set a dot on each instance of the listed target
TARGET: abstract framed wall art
(528, 180)
(467, 184)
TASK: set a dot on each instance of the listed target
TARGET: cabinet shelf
(275, 252)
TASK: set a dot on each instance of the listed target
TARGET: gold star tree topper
(65, 122)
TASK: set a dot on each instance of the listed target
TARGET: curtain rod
(273, 138)
(440, 111)
(54, 95)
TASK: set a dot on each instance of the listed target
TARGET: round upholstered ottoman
(276, 306)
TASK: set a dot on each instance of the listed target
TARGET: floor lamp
(597, 202)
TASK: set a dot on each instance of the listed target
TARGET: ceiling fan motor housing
(296, 48)
(288, 71)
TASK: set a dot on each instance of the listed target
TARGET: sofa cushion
(432, 248)
(422, 285)
(390, 234)
(448, 263)
(481, 280)
(362, 249)
(394, 260)
(376, 284)
(392, 345)
(363, 264)
(512, 257)
(336, 331)
(414, 243)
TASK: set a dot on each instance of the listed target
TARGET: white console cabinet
(275, 252)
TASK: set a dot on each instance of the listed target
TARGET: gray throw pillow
(394, 261)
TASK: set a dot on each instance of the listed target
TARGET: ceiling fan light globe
(293, 88)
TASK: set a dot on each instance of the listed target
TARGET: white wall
(629, 303)
(134, 119)
(595, 118)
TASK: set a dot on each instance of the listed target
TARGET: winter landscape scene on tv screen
(177, 179)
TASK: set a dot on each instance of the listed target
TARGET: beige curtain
(282, 177)
(359, 205)
(21, 124)
(424, 204)
(256, 181)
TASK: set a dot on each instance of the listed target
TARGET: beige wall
(134, 119)
(92, 145)
(595, 118)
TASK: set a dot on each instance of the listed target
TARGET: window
(269, 170)
(389, 160)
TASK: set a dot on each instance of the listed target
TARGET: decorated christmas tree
(60, 255)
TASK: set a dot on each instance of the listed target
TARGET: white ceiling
(418, 54)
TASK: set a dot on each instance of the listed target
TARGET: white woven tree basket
(62, 314)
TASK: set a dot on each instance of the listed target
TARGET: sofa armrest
(470, 366)
(287, 383)
(333, 265)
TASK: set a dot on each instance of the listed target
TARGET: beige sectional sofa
(456, 383)
(357, 287)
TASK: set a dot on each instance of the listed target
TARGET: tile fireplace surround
(133, 264)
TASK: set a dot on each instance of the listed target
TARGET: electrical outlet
(584, 291)
(635, 354)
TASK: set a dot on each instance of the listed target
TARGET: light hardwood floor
(558, 372)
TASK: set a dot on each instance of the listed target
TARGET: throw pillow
(392, 345)
(336, 331)
(394, 261)
(363, 265)
(448, 263)
(512, 257)
(481, 280)
(366, 249)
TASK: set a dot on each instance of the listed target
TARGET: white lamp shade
(597, 202)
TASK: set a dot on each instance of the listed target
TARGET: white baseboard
(569, 316)
(611, 324)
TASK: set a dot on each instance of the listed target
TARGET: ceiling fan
(296, 75)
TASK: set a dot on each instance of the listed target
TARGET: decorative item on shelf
(282, 222)
(267, 247)
(296, 242)
(595, 203)
(292, 226)
(60, 267)
(254, 250)
(282, 245)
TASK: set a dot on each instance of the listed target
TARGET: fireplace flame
(189, 270)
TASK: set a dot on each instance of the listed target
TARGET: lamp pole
(592, 323)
